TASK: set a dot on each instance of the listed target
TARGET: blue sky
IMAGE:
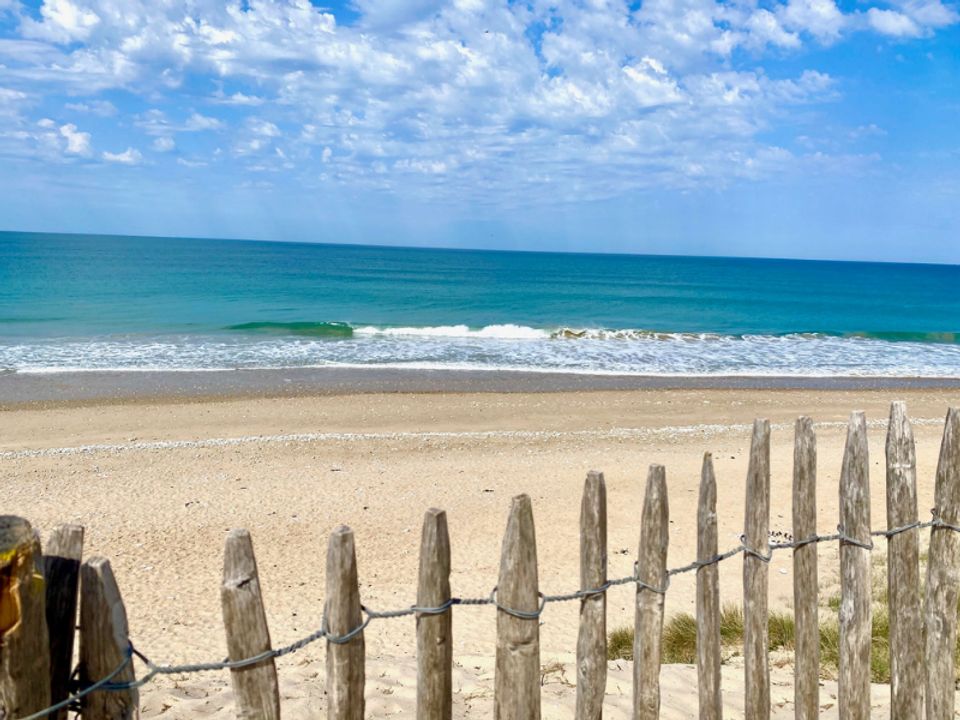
(803, 128)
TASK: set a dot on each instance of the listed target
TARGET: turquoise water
(72, 302)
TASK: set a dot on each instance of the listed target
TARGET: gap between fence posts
(24, 641)
(903, 570)
(255, 688)
(104, 644)
(434, 632)
(755, 576)
(592, 635)
(651, 586)
(943, 574)
(516, 694)
(708, 597)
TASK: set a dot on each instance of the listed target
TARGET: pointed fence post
(434, 632)
(104, 644)
(592, 637)
(345, 661)
(61, 568)
(805, 582)
(24, 642)
(943, 577)
(855, 601)
(255, 688)
(903, 570)
(708, 597)
(652, 572)
(517, 675)
(755, 576)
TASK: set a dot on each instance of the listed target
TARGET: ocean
(88, 302)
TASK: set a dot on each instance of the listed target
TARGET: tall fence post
(756, 538)
(24, 642)
(855, 610)
(592, 637)
(943, 577)
(61, 568)
(345, 660)
(255, 687)
(434, 632)
(104, 644)
(903, 570)
(708, 597)
(805, 582)
(517, 675)
(652, 577)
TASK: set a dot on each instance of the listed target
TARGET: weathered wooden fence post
(805, 582)
(943, 577)
(24, 642)
(255, 688)
(592, 637)
(434, 632)
(104, 643)
(517, 676)
(855, 600)
(345, 661)
(652, 572)
(61, 568)
(903, 570)
(708, 597)
(756, 538)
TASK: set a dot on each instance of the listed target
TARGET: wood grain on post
(903, 570)
(805, 582)
(24, 642)
(708, 597)
(592, 637)
(61, 569)
(345, 661)
(755, 577)
(943, 577)
(652, 571)
(255, 689)
(104, 643)
(434, 632)
(517, 677)
(855, 610)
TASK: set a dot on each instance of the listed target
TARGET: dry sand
(158, 486)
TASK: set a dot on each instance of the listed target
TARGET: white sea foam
(503, 332)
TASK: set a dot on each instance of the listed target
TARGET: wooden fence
(38, 602)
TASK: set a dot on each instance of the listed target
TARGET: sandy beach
(158, 484)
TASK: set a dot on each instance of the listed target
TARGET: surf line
(668, 431)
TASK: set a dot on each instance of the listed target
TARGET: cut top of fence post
(517, 676)
(24, 643)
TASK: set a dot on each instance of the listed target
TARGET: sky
(796, 128)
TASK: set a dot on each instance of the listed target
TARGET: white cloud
(78, 143)
(103, 108)
(891, 22)
(163, 144)
(130, 156)
(820, 18)
(63, 22)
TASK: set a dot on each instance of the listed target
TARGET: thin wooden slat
(592, 637)
(434, 632)
(652, 571)
(943, 575)
(517, 676)
(755, 576)
(255, 688)
(805, 582)
(708, 597)
(345, 662)
(104, 639)
(61, 568)
(903, 571)
(24, 642)
(855, 602)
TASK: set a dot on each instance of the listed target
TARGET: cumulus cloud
(163, 144)
(130, 156)
(78, 143)
(891, 22)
